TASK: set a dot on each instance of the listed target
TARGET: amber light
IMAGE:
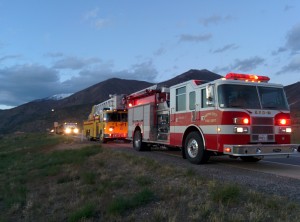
(227, 149)
(241, 121)
(246, 121)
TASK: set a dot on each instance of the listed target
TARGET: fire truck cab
(107, 121)
(240, 115)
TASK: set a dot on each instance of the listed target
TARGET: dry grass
(97, 184)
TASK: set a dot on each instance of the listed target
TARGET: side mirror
(210, 95)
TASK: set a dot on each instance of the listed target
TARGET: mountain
(292, 92)
(203, 74)
(58, 96)
(40, 115)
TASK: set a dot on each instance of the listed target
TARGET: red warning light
(247, 77)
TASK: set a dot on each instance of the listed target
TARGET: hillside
(40, 115)
(292, 93)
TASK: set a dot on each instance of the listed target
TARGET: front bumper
(262, 149)
(115, 136)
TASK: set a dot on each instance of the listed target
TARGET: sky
(64, 46)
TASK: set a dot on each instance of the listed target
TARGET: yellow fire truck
(107, 120)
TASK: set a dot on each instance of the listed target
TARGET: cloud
(215, 19)
(241, 65)
(24, 83)
(27, 82)
(279, 51)
(7, 57)
(54, 54)
(95, 19)
(74, 63)
(141, 71)
(293, 66)
(194, 38)
(91, 14)
(160, 51)
(293, 39)
(288, 7)
(226, 48)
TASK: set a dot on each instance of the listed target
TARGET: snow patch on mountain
(59, 96)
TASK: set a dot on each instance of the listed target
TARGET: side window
(181, 99)
(192, 100)
(203, 99)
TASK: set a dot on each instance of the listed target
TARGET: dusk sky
(63, 46)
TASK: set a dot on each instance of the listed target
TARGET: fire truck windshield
(115, 117)
(251, 97)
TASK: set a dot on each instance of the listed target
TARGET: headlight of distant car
(68, 130)
(76, 130)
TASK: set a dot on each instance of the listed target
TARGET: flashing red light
(130, 104)
(247, 77)
(246, 121)
(283, 122)
(282, 119)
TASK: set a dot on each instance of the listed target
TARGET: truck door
(209, 118)
(178, 117)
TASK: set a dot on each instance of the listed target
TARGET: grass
(121, 204)
(87, 211)
(99, 184)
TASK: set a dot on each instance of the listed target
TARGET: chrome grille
(262, 129)
(262, 121)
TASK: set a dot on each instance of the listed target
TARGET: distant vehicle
(67, 128)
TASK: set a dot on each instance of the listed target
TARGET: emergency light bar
(247, 77)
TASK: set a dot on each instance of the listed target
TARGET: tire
(250, 158)
(194, 149)
(137, 143)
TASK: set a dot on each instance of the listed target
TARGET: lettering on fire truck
(240, 115)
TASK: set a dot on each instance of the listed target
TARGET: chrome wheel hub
(192, 148)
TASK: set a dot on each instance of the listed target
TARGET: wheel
(194, 149)
(137, 141)
(250, 158)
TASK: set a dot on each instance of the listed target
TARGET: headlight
(241, 129)
(76, 130)
(68, 130)
(285, 130)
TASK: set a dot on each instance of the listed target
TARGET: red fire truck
(241, 115)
